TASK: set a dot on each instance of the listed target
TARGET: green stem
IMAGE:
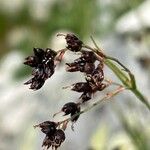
(126, 82)
(140, 96)
(120, 74)
(132, 78)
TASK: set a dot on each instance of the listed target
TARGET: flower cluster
(43, 66)
(43, 63)
(94, 74)
(83, 64)
(54, 137)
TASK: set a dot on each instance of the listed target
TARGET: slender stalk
(121, 75)
(140, 96)
(130, 84)
(132, 78)
(106, 97)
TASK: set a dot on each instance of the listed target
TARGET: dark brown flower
(89, 56)
(85, 63)
(82, 67)
(48, 127)
(59, 137)
(43, 67)
(73, 43)
(88, 68)
(72, 109)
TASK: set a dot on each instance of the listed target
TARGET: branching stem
(106, 97)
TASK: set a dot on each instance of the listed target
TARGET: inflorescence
(43, 64)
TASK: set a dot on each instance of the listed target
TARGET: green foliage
(74, 15)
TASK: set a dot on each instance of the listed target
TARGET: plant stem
(121, 75)
(106, 97)
(140, 96)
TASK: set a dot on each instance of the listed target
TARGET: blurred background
(120, 27)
